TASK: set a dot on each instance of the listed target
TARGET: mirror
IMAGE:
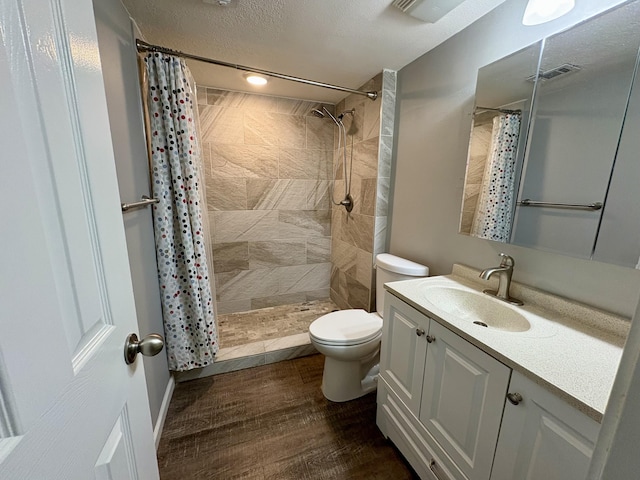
(552, 182)
(504, 95)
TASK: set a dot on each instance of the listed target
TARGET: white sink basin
(477, 308)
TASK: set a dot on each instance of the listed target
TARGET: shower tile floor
(264, 336)
(241, 328)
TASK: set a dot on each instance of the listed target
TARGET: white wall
(119, 68)
(435, 100)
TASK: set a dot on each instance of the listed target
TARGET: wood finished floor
(272, 422)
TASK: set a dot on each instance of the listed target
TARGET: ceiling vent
(427, 10)
(555, 72)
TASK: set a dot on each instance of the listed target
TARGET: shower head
(324, 112)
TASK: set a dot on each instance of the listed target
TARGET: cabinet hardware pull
(433, 466)
(514, 398)
(420, 332)
(431, 339)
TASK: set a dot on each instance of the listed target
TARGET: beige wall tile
(247, 284)
(358, 294)
(277, 194)
(303, 278)
(365, 158)
(244, 225)
(344, 256)
(261, 128)
(357, 230)
(368, 188)
(272, 155)
(291, 130)
(293, 106)
(228, 257)
(318, 195)
(250, 161)
(300, 163)
(225, 193)
(275, 300)
(371, 122)
(319, 133)
(277, 253)
(221, 125)
(364, 268)
(318, 250)
(309, 223)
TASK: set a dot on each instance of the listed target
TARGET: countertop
(571, 349)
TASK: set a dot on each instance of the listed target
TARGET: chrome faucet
(504, 271)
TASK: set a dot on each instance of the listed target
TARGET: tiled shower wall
(358, 236)
(267, 171)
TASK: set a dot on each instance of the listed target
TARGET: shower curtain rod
(147, 47)
(501, 110)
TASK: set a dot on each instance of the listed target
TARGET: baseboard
(164, 408)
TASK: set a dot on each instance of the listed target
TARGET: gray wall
(117, 53)
(435, 100)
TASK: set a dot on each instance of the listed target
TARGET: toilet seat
(346, 327)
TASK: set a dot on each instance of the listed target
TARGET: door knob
(515, 398)
(149, 346)
(420, 332)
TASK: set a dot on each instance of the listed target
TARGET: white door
(70, 408)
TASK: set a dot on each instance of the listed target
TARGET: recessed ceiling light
(255, 79)
(541, 11)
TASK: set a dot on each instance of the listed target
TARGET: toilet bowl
(350, 339)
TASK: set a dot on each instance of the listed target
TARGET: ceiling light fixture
(255, 79)
(542, 11)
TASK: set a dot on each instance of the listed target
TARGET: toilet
(350, 339)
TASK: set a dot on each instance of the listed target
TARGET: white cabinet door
(403, 350)
(543, 437)
(70, 408)
(463, 400)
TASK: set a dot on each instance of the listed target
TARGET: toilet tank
(390, 268)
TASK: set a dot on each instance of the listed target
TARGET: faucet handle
(507, 261)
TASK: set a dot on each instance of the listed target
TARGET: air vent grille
(403, 5)
(429, 11)
(555, 72)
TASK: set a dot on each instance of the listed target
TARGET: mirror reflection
(545, 184)
(503, 102)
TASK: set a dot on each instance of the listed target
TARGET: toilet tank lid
(395, 264)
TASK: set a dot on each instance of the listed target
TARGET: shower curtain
(187, 302)
(494, 210)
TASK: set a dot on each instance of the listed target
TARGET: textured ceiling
(343, 42)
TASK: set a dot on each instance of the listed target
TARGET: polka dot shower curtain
(187, 303)
(494, 211)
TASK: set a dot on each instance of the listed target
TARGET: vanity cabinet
(440, 398)
(543, 437)
(443, 402)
